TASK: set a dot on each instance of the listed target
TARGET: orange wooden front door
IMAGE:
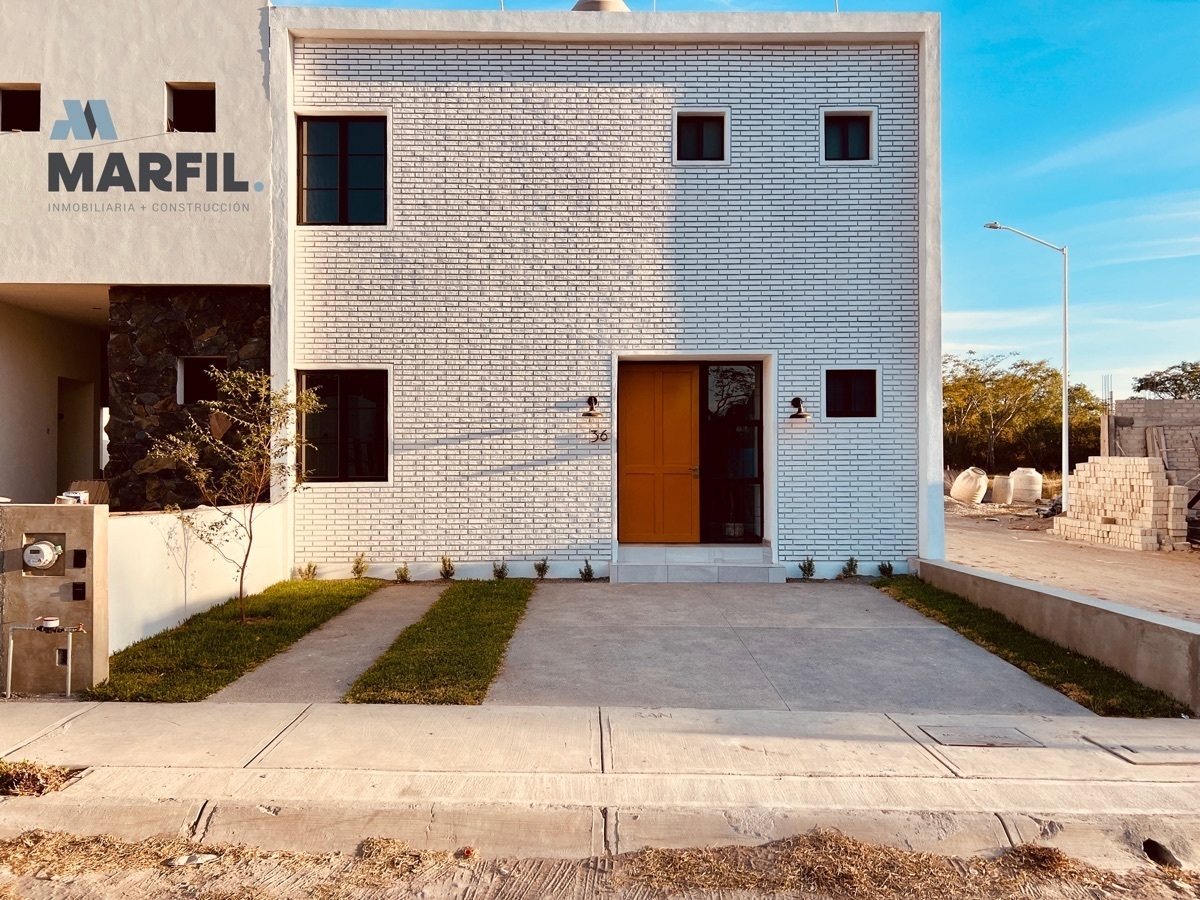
(658, 453)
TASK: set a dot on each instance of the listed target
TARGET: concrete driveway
(822, 647)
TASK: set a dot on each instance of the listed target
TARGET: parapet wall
(1125, 502)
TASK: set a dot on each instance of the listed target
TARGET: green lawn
(1089, 683)
(452, 655)
(213, 648)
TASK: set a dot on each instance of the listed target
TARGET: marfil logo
(85, 121)
(212, 172)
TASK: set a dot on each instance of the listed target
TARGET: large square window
(701, 136)
(343, 170)
(852, 393)
(848, 137)
(347, 439)
(21, 109)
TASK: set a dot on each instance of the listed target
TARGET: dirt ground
(1016, 542)
(821, 864)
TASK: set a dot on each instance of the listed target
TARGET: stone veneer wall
(1125, 502)
(150, 328)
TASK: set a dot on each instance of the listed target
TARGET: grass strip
(1090, 683)
(453, 654)
(213, 648)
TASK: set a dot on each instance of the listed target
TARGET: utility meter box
(53, 566)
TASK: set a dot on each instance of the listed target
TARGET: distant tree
(234, 455)
(1179, 382)
(1000, 412)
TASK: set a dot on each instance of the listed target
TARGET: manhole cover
(1166, 752)
(967, 736)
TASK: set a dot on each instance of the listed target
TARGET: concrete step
(702, 554)
(696, 573)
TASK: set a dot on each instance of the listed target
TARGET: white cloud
(1166, 139)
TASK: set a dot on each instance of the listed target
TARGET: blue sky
(1078, 122)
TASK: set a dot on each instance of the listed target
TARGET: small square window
(196, 382)
(191, 107)
(851, 393)
(848, 137)
(21, 109)
(701, 136)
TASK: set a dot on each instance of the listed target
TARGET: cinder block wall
(539, 227)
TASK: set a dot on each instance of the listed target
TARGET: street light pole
(1066, 382)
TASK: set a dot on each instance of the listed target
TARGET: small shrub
(542, 566)
(808, 568)
(850, 569)
(587, 573)
(307, 573)
(886, 570)
(447, 570)
(500, 570)
(359, 567)
(402, 574)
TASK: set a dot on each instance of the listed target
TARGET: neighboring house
(558, 277)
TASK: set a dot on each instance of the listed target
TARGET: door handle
(695, 471)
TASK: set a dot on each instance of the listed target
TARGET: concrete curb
(1158, 651)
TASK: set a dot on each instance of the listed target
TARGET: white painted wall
(35, 351)
(538, 230)
(124, 52)
(159, 573)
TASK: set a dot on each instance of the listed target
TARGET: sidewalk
(322, 665)
(574, 782)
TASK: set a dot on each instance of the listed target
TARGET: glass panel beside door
(731, 457)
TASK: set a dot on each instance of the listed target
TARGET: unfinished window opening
(21, 108)
(192, 107)
(194, 378)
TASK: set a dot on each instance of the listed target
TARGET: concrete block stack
(1125, 502)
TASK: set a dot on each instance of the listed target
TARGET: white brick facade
(539, 230)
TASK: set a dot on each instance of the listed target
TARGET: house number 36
(599, 437)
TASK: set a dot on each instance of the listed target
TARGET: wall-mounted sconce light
(592, 412)
(799, 413)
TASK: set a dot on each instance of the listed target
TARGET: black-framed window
(346, 440)
(700, 137)
(21, 109)
(847, 137)
(192, 107)
(343, 170)
(851, 393)
(196, 378)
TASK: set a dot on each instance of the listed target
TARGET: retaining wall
(1156, 650)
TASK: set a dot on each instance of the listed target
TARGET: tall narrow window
(701, 136)
(21, 108)
(848, 137)
(347, 438)
(343, 170)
